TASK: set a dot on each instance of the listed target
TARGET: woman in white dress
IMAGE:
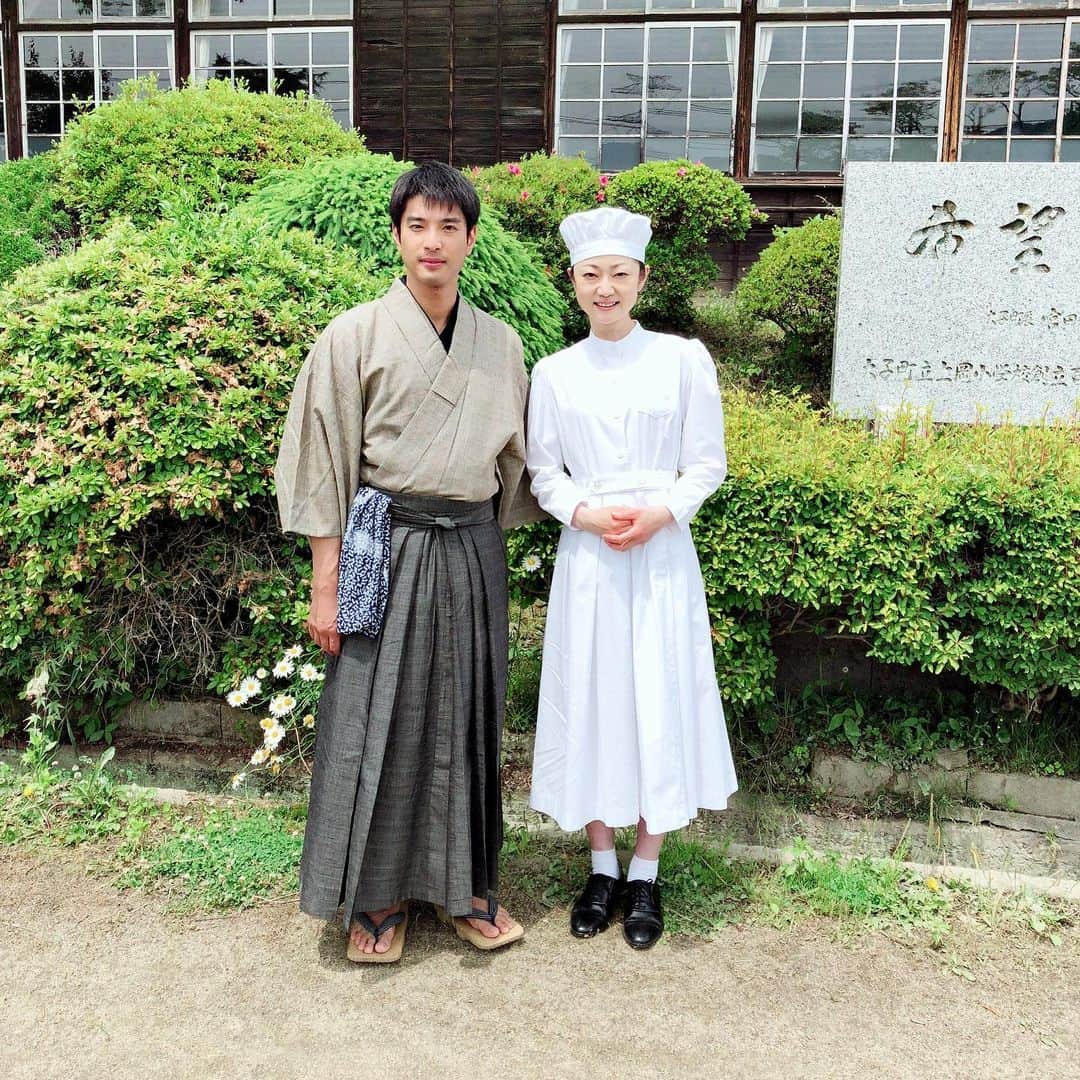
(625, 442)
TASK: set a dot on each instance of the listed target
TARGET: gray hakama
(405, 797)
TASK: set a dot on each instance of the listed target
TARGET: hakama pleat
(405, 798)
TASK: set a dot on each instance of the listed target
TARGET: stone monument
(959, 293)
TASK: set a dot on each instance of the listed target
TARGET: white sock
(605, 862)
(643, 869)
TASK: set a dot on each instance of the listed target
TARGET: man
(421, 396)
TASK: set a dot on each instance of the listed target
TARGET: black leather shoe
(643, 921)
(594, 909)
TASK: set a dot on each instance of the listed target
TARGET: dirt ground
(98, 983)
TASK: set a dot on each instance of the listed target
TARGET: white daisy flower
(261, 673)
(284, 668)
(273, 737)
(251, 687)
(309, 673)
(238, 779)
(260, 756)
(294, 651)
(236, 698)
(275, 759)
(282, 705)
(266, 723)
(309, 720)
(531, 563)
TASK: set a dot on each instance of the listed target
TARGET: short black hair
(438, 184)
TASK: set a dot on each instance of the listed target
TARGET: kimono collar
(447, 372)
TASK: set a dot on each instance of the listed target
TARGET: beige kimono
(378, 401)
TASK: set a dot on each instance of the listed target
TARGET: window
(258, 10)
(633, 7)
(3, 113)
(314, 61)
(853, 5)
(651, 92)
(65, 74)
(94, 10)
(829, 91)
(1021, 91)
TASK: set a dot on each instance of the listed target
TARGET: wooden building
(781, 93)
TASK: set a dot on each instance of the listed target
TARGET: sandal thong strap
(388, 923)
(486, 916)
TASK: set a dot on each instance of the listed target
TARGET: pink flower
(601, 196)
(605, 180)
(680, 171)
(513, 170)
(524, 195)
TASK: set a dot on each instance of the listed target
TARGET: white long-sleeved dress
(630, 722)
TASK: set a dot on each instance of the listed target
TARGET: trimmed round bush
(345, 201)
(144, 382)
(32, 225)
(793, 284)
(198, 147)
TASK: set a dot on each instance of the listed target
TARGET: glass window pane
(1040, 41)
(777, 117)
(291, 49)
(579, 82)
(250, 49)
(621, 118)
(820, 155)
(824, 80)
(111, 78)
(1071, 119)
(77, 50)
(873, 80)
(861, 149)
(116, 9)
(991, 41)
(710, 81)
(39, 9)
(1074, 39)
(710, 118)
(117, 50)
(78, 84)
(1034, 117)
(622, 82)
(711, 43)
(292, 7)
(579, 118)
(619, 154)
(780, 81)
(152, 50)
(41, 50)
(257, 80)
(781, 43)
(330, 48)
(624, 45)
(582, 46)
(774, 155)
(915, 150)
(666, 118)
(826, 43)
(42, 119)
(916, 117)
(1070, 150)
(330, 84)
(918, 80)
(874, 43)
(1038, 80)
(716, 153)
(1072, 80)
(669, 80)
(922, 42)
(669, 44)
(1031, 150)
(986, 118)
(573, 147)
(43, 85)
(291, 80)
(664, 149)
(822, 117)
(871, 117)
(989, 80)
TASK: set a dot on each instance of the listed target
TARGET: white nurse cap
(606, 231)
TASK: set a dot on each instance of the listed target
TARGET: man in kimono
(420, 396)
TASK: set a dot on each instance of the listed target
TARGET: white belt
(642, 480)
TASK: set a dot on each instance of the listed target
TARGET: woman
(625, 442)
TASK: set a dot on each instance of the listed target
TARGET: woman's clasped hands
(622, 527)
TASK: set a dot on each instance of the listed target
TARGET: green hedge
(197, 147)
(143, 386)
(32, 225)
(958, 552)
(345, 201)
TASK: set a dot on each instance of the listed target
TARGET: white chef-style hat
(606, 231)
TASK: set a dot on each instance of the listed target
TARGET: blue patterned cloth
(364, 569)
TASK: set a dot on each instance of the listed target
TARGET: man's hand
(322, 618)
(636, 525)
(599, 520)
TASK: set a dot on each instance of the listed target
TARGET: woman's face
(607, 288)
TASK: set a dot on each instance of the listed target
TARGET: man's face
(433, 242)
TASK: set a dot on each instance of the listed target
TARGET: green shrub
(690, 206)
(32, 226)
(793, 284)
(199, 146)
(956, 552)
(143, 386)
(345, 201)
